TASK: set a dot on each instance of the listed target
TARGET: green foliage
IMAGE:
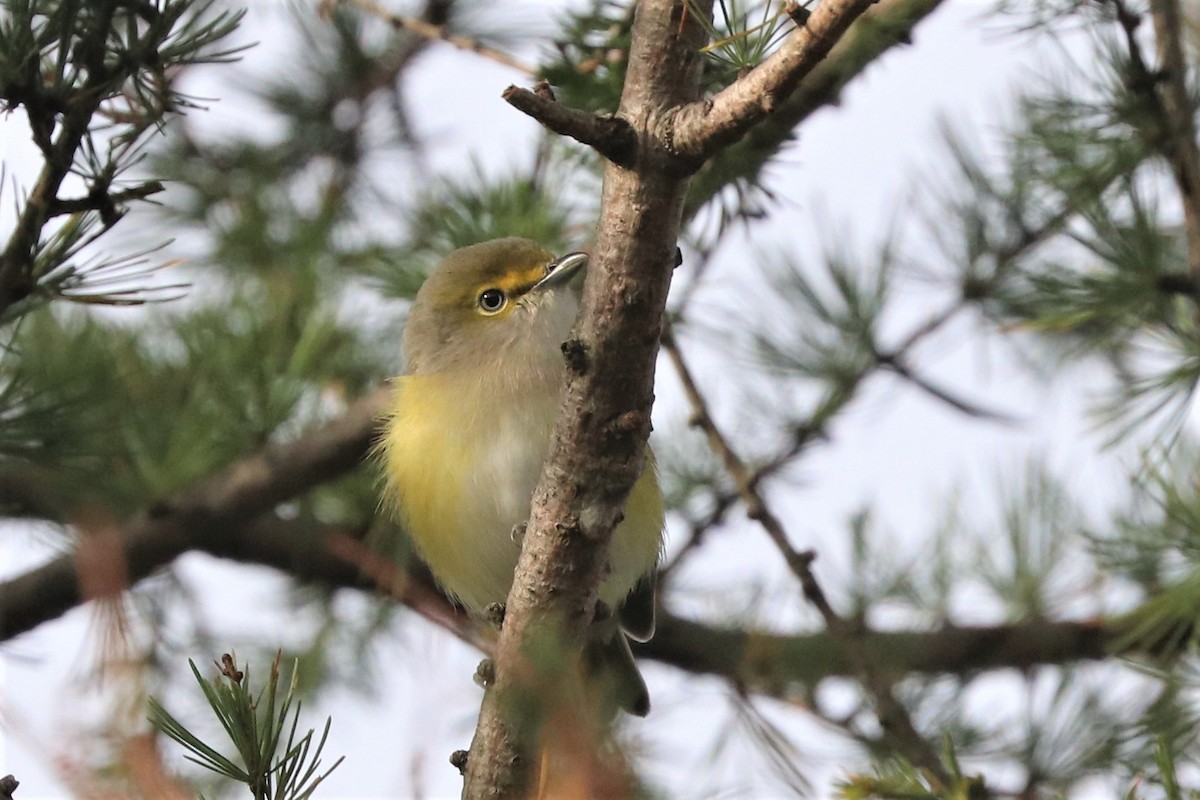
(587, 68)
(256, 730)
(742, 33)
(71, 65)
(460, 212)
(896, 779)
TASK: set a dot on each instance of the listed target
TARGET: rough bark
(599, 440)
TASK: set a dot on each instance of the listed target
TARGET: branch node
(797, 13)
(602, 612)
(575, 353)
(458, 759)
(485, 674)
(631, 421)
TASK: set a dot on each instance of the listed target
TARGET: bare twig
(701, 128)
(611, 137)
(103, 201)
(438, 33)
(897, 365)
(893, 717)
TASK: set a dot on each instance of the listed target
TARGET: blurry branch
(700, 129)
(1179, 113)
(110, 64)
(887, 24)
(610, 136)
(764, 662)
(101, 200)
(1166, 93)
(898, 366)
(771, 663)
(898, 728)
(28, 490)
(212, 516)
(436, 33)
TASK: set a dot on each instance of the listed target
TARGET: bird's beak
(560, 271)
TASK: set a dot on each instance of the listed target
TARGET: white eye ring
(492, 301)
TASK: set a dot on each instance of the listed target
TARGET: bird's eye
(492, 300)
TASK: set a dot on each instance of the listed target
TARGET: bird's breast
(462, 460)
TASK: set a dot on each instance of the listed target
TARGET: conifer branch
(611, 136)
(1167, 97)
(894, 719)
(209, 516)
(16, 261)
(888, 24)
(766, 663)
(438, 33)
(701, 128)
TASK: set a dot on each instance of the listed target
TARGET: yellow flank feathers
(461, 505)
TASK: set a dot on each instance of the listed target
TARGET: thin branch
(888, 24)
(899, 367)
(611, 136)
(438, 33)
(700, 129)
(103, 201)
(893, 717)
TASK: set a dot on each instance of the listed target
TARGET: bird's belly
(462, 497)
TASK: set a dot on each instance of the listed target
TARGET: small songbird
(470, 425)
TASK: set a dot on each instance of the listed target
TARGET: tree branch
(898, 728)
(16, 261)
(766, 663)
(702, 128)
(776, 664)
(598, 447)
(210, 516)
(1179, 114)
(611, 137)
(438, 33)
(887, 24)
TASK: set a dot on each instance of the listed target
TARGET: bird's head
(505, 301)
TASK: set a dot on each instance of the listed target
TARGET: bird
(467, 430)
